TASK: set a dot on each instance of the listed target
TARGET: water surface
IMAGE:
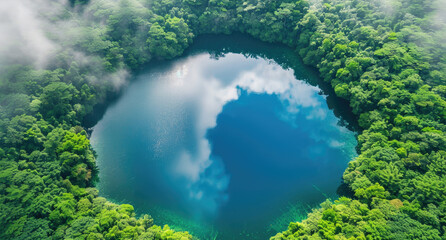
(233, 140)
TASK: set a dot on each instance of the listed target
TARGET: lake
(231, 141)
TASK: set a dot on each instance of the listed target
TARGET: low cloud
(36, 32)
(23, 32)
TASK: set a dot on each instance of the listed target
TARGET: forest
(386, 57)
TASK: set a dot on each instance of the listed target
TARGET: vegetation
(385, 57)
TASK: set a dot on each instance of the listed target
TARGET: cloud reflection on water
(191, 84)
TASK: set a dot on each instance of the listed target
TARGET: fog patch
(23, 36)
(39, 32)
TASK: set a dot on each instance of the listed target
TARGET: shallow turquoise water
(234, 140)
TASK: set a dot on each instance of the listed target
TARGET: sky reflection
(190, 97)
(223, 144)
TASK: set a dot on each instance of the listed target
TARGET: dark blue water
(225, 145)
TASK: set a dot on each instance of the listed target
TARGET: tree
(56, 101)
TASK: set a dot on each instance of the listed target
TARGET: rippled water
(222, 143)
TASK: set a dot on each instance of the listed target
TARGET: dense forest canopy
(60, 59)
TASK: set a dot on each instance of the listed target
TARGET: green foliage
(170, 40)
(389, 66)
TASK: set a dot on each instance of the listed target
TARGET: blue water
(224, 145)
